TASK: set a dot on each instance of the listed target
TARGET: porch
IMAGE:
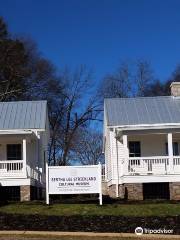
(18, 157)
(150, 153)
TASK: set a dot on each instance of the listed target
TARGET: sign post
(100, 184)
(73, 180)
(47, 183)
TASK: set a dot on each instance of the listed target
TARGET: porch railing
(34, 173)
(103, 172)
(152, 165)
(11, 166)
(16, 168)
(176, 164)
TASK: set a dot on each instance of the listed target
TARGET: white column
(126, 154)
(24, 157)
(117, 167)
(100, 183)
(170, 152)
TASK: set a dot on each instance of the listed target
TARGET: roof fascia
(146, 126)
(20, 131)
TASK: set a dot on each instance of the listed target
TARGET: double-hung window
(134, 149)
(14, 152)
(175, 149)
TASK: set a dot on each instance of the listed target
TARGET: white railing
(148, 165)
(103, 172)
(11, 166)
(34, 173)
(176, 164)
(16, 169)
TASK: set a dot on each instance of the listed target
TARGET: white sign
(73, 180)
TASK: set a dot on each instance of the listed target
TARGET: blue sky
(100, 33)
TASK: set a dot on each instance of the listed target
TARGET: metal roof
(142, 110)
(23, 115)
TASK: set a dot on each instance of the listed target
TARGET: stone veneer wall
(130, 191)
(112, 191)
(25, 193)
(133, 191)
(121, 191)
(174, 190)
(104, 188)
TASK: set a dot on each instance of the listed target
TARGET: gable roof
(23, 115)
(142, 110)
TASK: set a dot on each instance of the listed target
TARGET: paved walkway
(42, 234)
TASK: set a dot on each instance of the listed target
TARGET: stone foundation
(121, 191)
(112, 191)
(174, 190)
(129, 191)
(25, 193)
(104, 188)
(133, 191)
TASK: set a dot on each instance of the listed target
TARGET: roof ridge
(131, 98)
(27, 101)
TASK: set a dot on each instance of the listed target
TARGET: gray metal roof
(23, 115)
(142, 110)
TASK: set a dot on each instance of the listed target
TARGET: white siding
(114, 156)
(31, 153)
(108, 156)
(153, 144)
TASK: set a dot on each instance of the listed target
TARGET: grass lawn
(128, 209)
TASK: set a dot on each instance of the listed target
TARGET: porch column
(24, 156)
(126, 154)
(170, 152)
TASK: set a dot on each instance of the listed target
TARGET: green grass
(131, 209)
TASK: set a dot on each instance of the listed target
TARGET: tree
(13, 71)
(158, 88)
(26, 75)
(89, 149)
(3, 29)
(117, 84)
(143, 77)
(130, 79)
(13, 60)
(78, 109)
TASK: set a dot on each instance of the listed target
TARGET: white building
(142, 146)
(24, 136)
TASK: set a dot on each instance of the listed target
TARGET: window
(134, 149)
(175, 149)
(14, 152)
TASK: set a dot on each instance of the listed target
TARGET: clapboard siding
(114, 154)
